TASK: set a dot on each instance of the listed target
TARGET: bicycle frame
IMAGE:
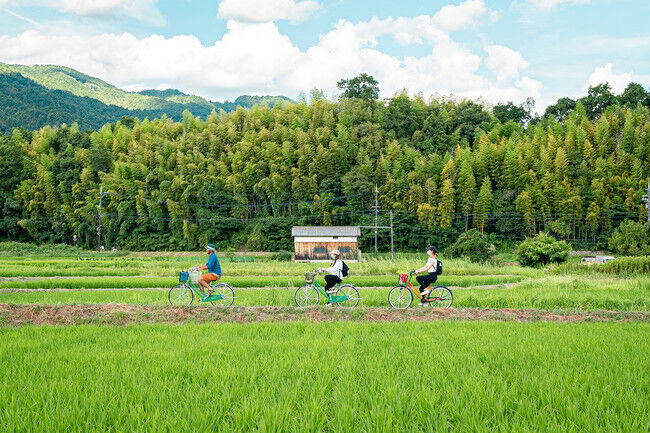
(204, 296)
(409, 286)
(331, 298)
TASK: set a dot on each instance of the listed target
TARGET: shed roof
(326, 231)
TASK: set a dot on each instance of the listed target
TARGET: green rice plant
(236, 281)
(327, 377)
(165, 266)
(620, 265)
(551, 293)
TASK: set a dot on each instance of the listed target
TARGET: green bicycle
(346, 295)
(183, 293)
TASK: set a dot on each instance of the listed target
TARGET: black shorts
(426, 280)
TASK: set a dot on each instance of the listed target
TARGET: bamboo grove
(241, 180)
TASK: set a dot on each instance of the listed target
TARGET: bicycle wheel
(351, 292)
(440, 297)
(400, 297)
(224, 290)
(307, 296)
(180, 294)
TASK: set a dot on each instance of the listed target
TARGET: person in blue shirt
(213, 267)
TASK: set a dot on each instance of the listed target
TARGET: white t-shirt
(432, 269)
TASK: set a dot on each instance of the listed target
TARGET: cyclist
(213, 267)
(431, 277)
(335, 270)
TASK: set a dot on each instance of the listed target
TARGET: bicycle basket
(309, 277)
(194, 276)
(182, 277)
(402, 279)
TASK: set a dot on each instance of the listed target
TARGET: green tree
(466, 190)
(631, 239)
(541, 250)
(483, 205)
(525, 205)
(633, 95)
(598, 98)
(518, 114)
(362, 86)
(446, 204)
(561, 109)
(474, 246)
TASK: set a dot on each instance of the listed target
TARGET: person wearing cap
(335, 270)
(213, 267)
(430, 268)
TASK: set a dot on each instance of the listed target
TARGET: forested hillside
(35, 96)
(243, 179)
(29, 105)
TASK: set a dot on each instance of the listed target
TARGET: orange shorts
(208, 278)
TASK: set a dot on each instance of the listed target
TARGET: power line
(212, 219)
(215, 206)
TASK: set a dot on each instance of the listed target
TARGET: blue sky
(493, 50)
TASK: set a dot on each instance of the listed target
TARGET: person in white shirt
(335, 270)
(431, 267)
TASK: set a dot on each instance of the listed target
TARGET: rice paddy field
(361, 371)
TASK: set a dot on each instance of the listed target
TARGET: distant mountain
(34, 96)
(25, 103)
(248, 101)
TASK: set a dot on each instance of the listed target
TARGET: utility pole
(376, 208)
(646, 199)
(99, 227)
(392, 253)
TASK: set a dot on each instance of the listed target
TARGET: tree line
(243, 179)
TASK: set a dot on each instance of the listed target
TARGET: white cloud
(452, 18)
(256, 58)
(504, 62)
(550, 4)
(263, 11)
(618, 82)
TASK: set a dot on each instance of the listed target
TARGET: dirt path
(122, 314)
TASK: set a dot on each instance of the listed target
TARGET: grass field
(448, 376)
(550, 293)
(239, 281)
(334, 377)
(170, 266)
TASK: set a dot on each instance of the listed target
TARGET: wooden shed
(315, 243)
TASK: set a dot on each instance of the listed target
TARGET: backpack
(345, 269)
(439, 268)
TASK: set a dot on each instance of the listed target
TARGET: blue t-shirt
(213, 265)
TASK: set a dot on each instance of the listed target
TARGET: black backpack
(345, 269)
(439, 268)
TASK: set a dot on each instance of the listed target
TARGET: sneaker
(426, 292)
(330, 291)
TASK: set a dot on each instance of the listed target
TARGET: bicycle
(346, 295)
(183, 293)
(401, 296)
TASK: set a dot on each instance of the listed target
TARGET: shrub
(472, 245)
(626, 265)
(631, 238)
(541, 250)
(284, 256)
